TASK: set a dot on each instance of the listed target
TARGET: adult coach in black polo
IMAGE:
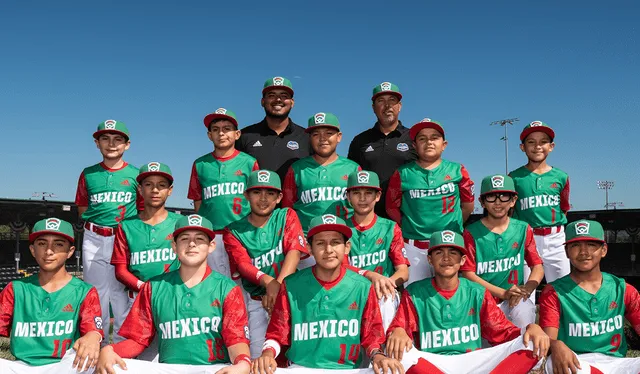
(276, 142)
(387, 145)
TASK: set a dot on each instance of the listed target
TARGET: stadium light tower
(505, 138)
(606, 186)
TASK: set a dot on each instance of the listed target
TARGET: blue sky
(161, 66)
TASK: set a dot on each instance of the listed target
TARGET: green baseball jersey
(543, 199)
(45, 325)
(378, 247)
(219, 184)
(146, 249)
(265, 246)
(312, 189)
(326, 323)
(592, 323)
(109, 194)
(450, 326)
(429, 200)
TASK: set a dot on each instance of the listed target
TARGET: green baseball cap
(497, 183)
(363, 179)
(154, 168)
(537, 126)
(386, 88)
(322, 120)
(279, 83)
(264, 179)
(111, 126)
(223, 114)
(194, 222)
(328, 222)
(54, 226)
(426, 123)
(584, 230)
(446, 238)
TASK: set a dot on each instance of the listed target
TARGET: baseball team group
(299, 260)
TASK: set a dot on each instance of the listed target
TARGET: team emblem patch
(293, 145)
(52, 224)
(497, 181)
(278, 81)
(535, 124)
(385, 86)
(363, 177)
(195, 220)
(448, 236)
(153, 166)
(318, 119)
(329, 219)
(246, 332)
(110, 124)
(582, 228)
(221, 111)
(98, 322)
(426, 120)
(264, 176)
(301, 240)
(402, 147)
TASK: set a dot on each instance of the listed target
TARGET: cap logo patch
(497, 181)
(448, 236)
(385, 86)
(278, 81)
(329, 219)
(264, 176)
(110, 124)
(221, 111)
(153, 166)
(293, 145)
(319, 118)
(535, 123)
(363, 177)
(426, 120)
(582, 228)
(402, 147)
(195, 220)
(52, 224)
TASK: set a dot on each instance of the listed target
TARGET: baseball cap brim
(461, 249)
(362, 186)
(344, 230)
(263, 187)
(269, 88)
(213, 116)
(547, 130)
(311, 128)
(141, 176)
(584, 239)
(97, 134)
(394, 93)
(415, 129)
(35, 235)
(179, 231)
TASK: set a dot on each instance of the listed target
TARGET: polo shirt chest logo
(257, 144)
(369, 149)
(402, 147)
(292, 145)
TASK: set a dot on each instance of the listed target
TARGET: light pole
(606, 186)
(504, 123)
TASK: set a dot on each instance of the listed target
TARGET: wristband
(271, 344)
(242, 357)
(99, 334)
(376, 351)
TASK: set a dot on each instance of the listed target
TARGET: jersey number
(216, 353)
(60, 349)
(615, 342)
(237, 205)
(513, 277)
(378, 269)
(123, 210)
(553, 215)
(342, 211)
(448, 204)
(354, 353)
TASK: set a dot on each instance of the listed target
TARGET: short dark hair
(216, 120)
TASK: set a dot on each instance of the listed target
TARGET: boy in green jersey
(265, 246)
(377, 246)
(584, 312)
(496, 249)
(324, 314)
(49, 313)
(198, 315)
(428, 195)
(446, 317)
(218, 180)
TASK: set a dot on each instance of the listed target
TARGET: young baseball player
(218, 181)
(496, 248)
(584, 312)
(446, 316)
(106, 195)
(376, 243)
(142, 246)
(428, 195)
(326, 313)
(198, 314)
(266, 246)
(543, 198)
(51, 312)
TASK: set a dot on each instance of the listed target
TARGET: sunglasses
(504, 197)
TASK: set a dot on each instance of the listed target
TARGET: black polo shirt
(275, 152)
(375, 151)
